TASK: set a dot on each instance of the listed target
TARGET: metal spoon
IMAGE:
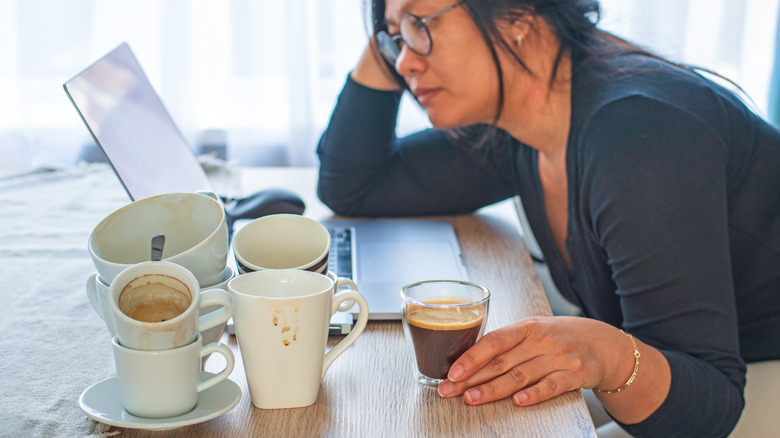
(158, 242)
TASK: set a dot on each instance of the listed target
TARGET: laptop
(128, 121)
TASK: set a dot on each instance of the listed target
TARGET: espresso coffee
(441, 334)
(154, 298)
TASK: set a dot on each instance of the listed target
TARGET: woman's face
(456, 82)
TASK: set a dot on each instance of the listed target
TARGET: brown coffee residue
(288, 314)
(154, 298)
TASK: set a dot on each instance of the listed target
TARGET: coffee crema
(441, 334)
(154, 298)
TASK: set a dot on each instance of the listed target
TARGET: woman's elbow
(336, 200)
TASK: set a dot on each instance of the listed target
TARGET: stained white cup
(97, 292)
(165, 383)
(195, 229)
(156, 286)
(282, 241)
(282, 319)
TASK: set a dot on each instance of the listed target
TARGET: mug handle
(93, 295)
(215, 297)
(224, 350)
(339, 348)
(343, 281)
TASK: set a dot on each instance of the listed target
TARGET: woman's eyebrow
(404, 9)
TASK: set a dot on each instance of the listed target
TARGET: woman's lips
(424, 95)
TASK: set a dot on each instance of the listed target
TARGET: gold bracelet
(633, 375)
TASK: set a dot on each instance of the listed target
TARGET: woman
(653, 193)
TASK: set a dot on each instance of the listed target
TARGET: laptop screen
(128, 121)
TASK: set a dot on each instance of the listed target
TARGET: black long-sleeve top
(673, 216)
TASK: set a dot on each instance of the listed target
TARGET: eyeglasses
(412, 31)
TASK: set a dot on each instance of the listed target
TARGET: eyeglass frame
(383, 38)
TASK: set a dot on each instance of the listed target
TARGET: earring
(519, 40)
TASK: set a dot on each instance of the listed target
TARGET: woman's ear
(519, 29)
(516, 28)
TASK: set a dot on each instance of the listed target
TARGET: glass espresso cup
(442, 319)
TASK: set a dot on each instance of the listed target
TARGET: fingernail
(521, 398)
(456, 372)
(446, 388)
(472, 396)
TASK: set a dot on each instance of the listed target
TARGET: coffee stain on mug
(145, 340)
(286, 315)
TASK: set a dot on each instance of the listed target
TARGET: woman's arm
(365, 170)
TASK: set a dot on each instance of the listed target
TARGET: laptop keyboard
(340, 258)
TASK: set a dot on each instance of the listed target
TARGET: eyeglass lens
(412, 31)
(415, 34)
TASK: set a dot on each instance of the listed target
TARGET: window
(269, 72)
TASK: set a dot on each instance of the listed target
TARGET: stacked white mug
(158, 346)
(285, 296)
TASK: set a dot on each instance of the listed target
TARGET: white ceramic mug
(165, 383)
(195, 229)
(281, 321)
(157, 306)
(282, 241)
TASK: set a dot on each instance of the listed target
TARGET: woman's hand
(372, 71)
(537, 359)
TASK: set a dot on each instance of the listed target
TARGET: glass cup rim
(476, 302)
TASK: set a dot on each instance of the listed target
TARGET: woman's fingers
(501, 364)
(551, 385)
(488, 350)
(506, 363)
(508, 383)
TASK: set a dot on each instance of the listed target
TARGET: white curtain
(267, 72)
(735, 38)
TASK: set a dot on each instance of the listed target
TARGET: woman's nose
(409, 63)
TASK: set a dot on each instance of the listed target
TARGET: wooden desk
(370, 390)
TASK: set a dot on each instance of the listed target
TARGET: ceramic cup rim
(276, 273)
(135, 204)
(280, 217)
(159, 268)
(117, 342)
(228, 274)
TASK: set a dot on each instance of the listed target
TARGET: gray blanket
(54, 345)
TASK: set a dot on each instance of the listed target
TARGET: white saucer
(102, 402)
(226, 275)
